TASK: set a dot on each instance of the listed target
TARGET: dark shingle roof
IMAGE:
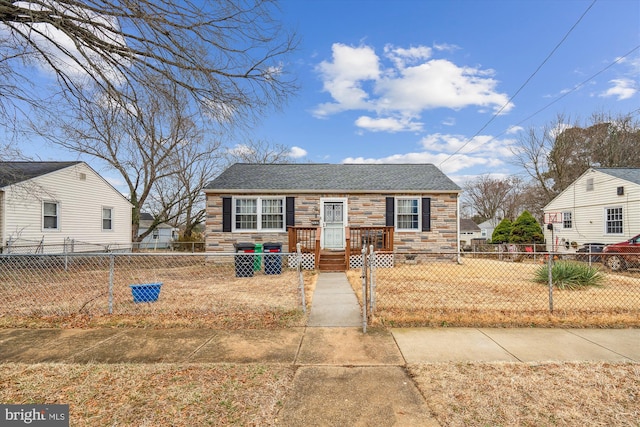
(468, 225)
(14, 172)
(333, 177)
(628, 174)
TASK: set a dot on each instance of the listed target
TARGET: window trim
(418, 214)
(606, 221)
(565, 221)
(259, 214)
(102, 209)
(57, 216)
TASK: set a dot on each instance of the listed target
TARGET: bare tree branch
(226, 55)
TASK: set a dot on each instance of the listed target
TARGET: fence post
(300, 276)
(111, 269)
(372, 280)
(364, 289)
(550, 274)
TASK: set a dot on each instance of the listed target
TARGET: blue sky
(434, 81)
(414, 81)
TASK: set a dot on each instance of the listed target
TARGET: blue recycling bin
(244, 261)
(272, 263)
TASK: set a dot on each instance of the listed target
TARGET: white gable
(80, 195)
(584, 207)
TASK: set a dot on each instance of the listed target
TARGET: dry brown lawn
(486, 292)
(469, 394)
(194, 294)
(152, 394)
(518, 394)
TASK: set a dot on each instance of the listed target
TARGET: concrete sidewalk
(338, 367)
(343, 346)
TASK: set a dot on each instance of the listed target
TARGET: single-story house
(333, 209)
(54, 207)
(469, 231)
(601, 206)
(487, 227)
(162, 236)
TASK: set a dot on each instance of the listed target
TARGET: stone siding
(364, 210)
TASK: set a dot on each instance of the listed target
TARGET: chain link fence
(500, 288)
(155, 289)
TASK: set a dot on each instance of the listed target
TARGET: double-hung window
(408, 214)
(107, 219)
(613, 220)
(259, 214)
(567, 220)
(50, 214)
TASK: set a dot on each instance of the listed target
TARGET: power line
(576, 87)
(522, 86)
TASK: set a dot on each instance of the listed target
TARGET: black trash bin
(272, 263)
(244, 263)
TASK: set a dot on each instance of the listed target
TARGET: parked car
(590, 248)
(623, 255)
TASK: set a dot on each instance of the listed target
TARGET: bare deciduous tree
(492, 198)
(148, 142)
(556, 155)
(225, 55)
(258, 152)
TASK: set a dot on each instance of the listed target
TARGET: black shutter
(426, 214)
(291, 212)
(389, 212)
(226, 214)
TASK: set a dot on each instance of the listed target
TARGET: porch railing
(380, 237)
(309, 238)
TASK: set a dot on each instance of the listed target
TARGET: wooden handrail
(355, 237)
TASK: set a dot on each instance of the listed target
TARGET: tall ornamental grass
(570, 275)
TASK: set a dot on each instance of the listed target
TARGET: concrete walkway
(343, 377)
(334, 303)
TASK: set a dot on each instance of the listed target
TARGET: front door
(333, 223)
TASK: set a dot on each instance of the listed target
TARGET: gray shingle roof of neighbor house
(468, 225)
(333, 177)
(15, 172)
(629, 174)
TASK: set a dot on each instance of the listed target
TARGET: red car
(623, 255)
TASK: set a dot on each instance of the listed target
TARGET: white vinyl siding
(588, 199)
(80, 203)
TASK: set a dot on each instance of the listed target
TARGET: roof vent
(83, 176)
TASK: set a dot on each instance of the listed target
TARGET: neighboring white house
(469, 230)
(487, 227)
(601, 206)
(58, 207)
(160, 238)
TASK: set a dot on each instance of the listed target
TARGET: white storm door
(333, 223)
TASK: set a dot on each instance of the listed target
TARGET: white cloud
(412, 83)
(452, 153)
(621, 88)
(482, 145)
(514, 129)
(344, 76)
(297, 152)
(387, 124)
(439, 159)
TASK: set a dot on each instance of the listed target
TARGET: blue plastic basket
(147, 292)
